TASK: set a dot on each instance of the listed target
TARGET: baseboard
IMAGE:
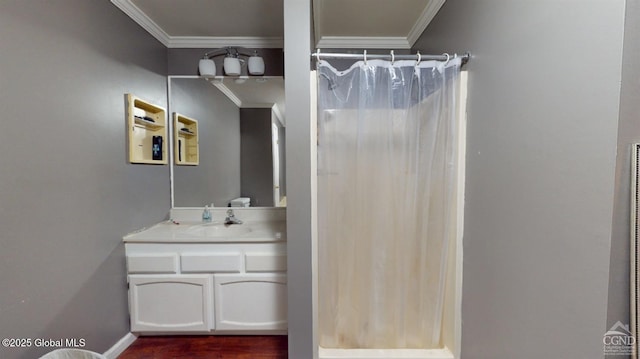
(442, 353)
(119, 347)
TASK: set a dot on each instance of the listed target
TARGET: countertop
(214, 232)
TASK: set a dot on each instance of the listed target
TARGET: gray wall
(628, 133)
(67, 193)
(217, 178)
(544, 85)
(256, 156)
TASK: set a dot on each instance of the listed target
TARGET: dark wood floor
(208, 347)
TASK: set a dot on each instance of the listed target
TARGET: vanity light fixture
(232, 62)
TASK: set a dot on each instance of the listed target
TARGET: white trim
(633, 289)
(444, 353)
(218, 81)
(278, 114)
(119, 347)
(313, 188)
(225, 90)
(346, 42)
(257, 105)
(462, 154)
(423, 21)
(217, 42)
(143, 20)
(172, 160)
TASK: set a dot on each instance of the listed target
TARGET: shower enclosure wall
(342, 293)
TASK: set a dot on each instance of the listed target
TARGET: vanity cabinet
(250, 301)
(207, 288)
(175, 303)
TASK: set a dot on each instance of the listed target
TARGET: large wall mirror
(241, 140)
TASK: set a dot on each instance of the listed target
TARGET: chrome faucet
(231, 218)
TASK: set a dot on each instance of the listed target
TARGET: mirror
(240, 140)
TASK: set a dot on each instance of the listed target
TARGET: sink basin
(218, 230)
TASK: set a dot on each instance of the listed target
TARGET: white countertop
(214, 232)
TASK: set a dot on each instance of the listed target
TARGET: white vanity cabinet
(174, 303)
(250, 301)
(207, 288)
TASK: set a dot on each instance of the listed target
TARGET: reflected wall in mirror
(241, 135)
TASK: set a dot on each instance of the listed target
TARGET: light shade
(232, 66)
(207, 67)
(256, 65)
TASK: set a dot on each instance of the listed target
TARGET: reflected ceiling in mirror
(250, 92)
(241, 139)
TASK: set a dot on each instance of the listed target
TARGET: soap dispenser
(206, 215)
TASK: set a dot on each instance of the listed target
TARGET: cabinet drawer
(265, 262)
(220, 262)
(152, 263)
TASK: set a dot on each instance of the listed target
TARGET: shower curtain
(387, 142)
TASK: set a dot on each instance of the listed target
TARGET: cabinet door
(170, 303)
(250, 301)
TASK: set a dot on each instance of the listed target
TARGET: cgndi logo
(618, 340)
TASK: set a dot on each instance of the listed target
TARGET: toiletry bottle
(206, 215)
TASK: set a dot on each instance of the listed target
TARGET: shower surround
(390, 184)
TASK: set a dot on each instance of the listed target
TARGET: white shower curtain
(387, 143)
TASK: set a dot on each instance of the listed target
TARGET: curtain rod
(391, 56)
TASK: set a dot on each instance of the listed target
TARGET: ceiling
(251, 92)
(388, 24)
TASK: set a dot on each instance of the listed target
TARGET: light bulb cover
(207, 67)
(256, 65)
(232, 66)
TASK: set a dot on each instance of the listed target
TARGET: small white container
(138, 112)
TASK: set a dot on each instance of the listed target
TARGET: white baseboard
(442, 353)
(120, 346)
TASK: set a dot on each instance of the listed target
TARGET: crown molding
(279, 115)
(156, 31)
(225, 90)
(143, 20)
(218, 42)
(423, 21)
(257, 105)
(137, 15)
(346, 42)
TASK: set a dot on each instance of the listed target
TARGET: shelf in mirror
(186, 146)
